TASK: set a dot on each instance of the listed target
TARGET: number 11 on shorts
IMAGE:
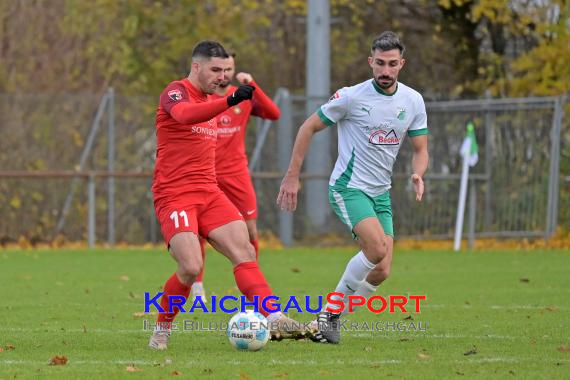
(174, 217)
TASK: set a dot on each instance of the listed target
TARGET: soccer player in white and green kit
(373, 118)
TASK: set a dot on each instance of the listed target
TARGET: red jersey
(231, 158)
(186, 139)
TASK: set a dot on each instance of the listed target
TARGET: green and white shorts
(353, 205)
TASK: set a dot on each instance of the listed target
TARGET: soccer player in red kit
(188, 202)
(231, 160)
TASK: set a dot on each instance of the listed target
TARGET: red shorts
(239, 190)
(198, 212)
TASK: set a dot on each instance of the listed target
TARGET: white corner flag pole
(469, 153)
(462, 195)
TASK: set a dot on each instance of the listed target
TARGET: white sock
(365, 290)
(356, 271)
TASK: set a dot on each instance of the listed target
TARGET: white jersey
(371, 128)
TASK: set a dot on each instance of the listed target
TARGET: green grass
(82, 304)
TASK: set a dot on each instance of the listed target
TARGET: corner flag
(469, 152)
(469, 149)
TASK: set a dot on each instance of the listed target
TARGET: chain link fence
(513, 189)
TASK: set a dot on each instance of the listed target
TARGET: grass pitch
(488, 315)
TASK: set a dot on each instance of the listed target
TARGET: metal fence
(64, 140)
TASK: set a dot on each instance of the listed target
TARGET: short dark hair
(209, 49)
(388, 41)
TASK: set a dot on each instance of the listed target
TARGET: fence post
(488, 219)
(111, 168)
(553, 183)
(91, 211)
(285, 146)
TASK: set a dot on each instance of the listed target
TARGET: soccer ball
(248, 331)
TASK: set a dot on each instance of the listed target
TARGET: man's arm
(420, 160)
(192, 113)
(287, 198)
(263, 106)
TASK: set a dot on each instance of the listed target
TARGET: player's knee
(377, 248)
(189, 271)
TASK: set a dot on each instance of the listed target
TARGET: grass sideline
(488, 314)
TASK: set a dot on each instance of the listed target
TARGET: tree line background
(456, 49)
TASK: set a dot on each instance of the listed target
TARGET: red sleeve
(190, 113)
(263, 106)
(175, 100)
(173, 94)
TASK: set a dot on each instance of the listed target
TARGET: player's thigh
(383, 210)
(251, 228)
(239, 190)
(185, 249)
(232, 241)
(177, 215)
(371, 239)
(223, 225)
(351, 206)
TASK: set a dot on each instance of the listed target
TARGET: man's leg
(377, 275)
(371, 239)
(231, 240)
(198, 286)
(185, 249)
(252, 231)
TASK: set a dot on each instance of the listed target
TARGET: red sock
(255, 244)
(251, 282)
(173, 287)
(200, 276)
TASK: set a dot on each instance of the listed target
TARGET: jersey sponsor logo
(401, 113)
(237, 110)
(382, 137)
(336, 95)
(212, 132)
(229, 131)
(249, 212)
(225, 120)
(367, 110)
(175, 95)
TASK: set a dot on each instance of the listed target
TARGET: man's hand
(287, 198)
(243, 92)
(244, 78)
(418, 183)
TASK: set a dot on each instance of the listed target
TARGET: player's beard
(224, 84)
(385, 82)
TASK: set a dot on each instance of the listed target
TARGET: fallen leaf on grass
(408, 318)
(124, 278)
(143, 315)
(1, 349)
(564, 348)
(405, 339)
(132, 368)
(368, 349)
(281, 374)
(423, 356)
(133, 295)
(525, 280)
(472, 351)
(295, 270)
(58, 360)
(10, 347)
(243, 376)
(175, 373)
(552, 308)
